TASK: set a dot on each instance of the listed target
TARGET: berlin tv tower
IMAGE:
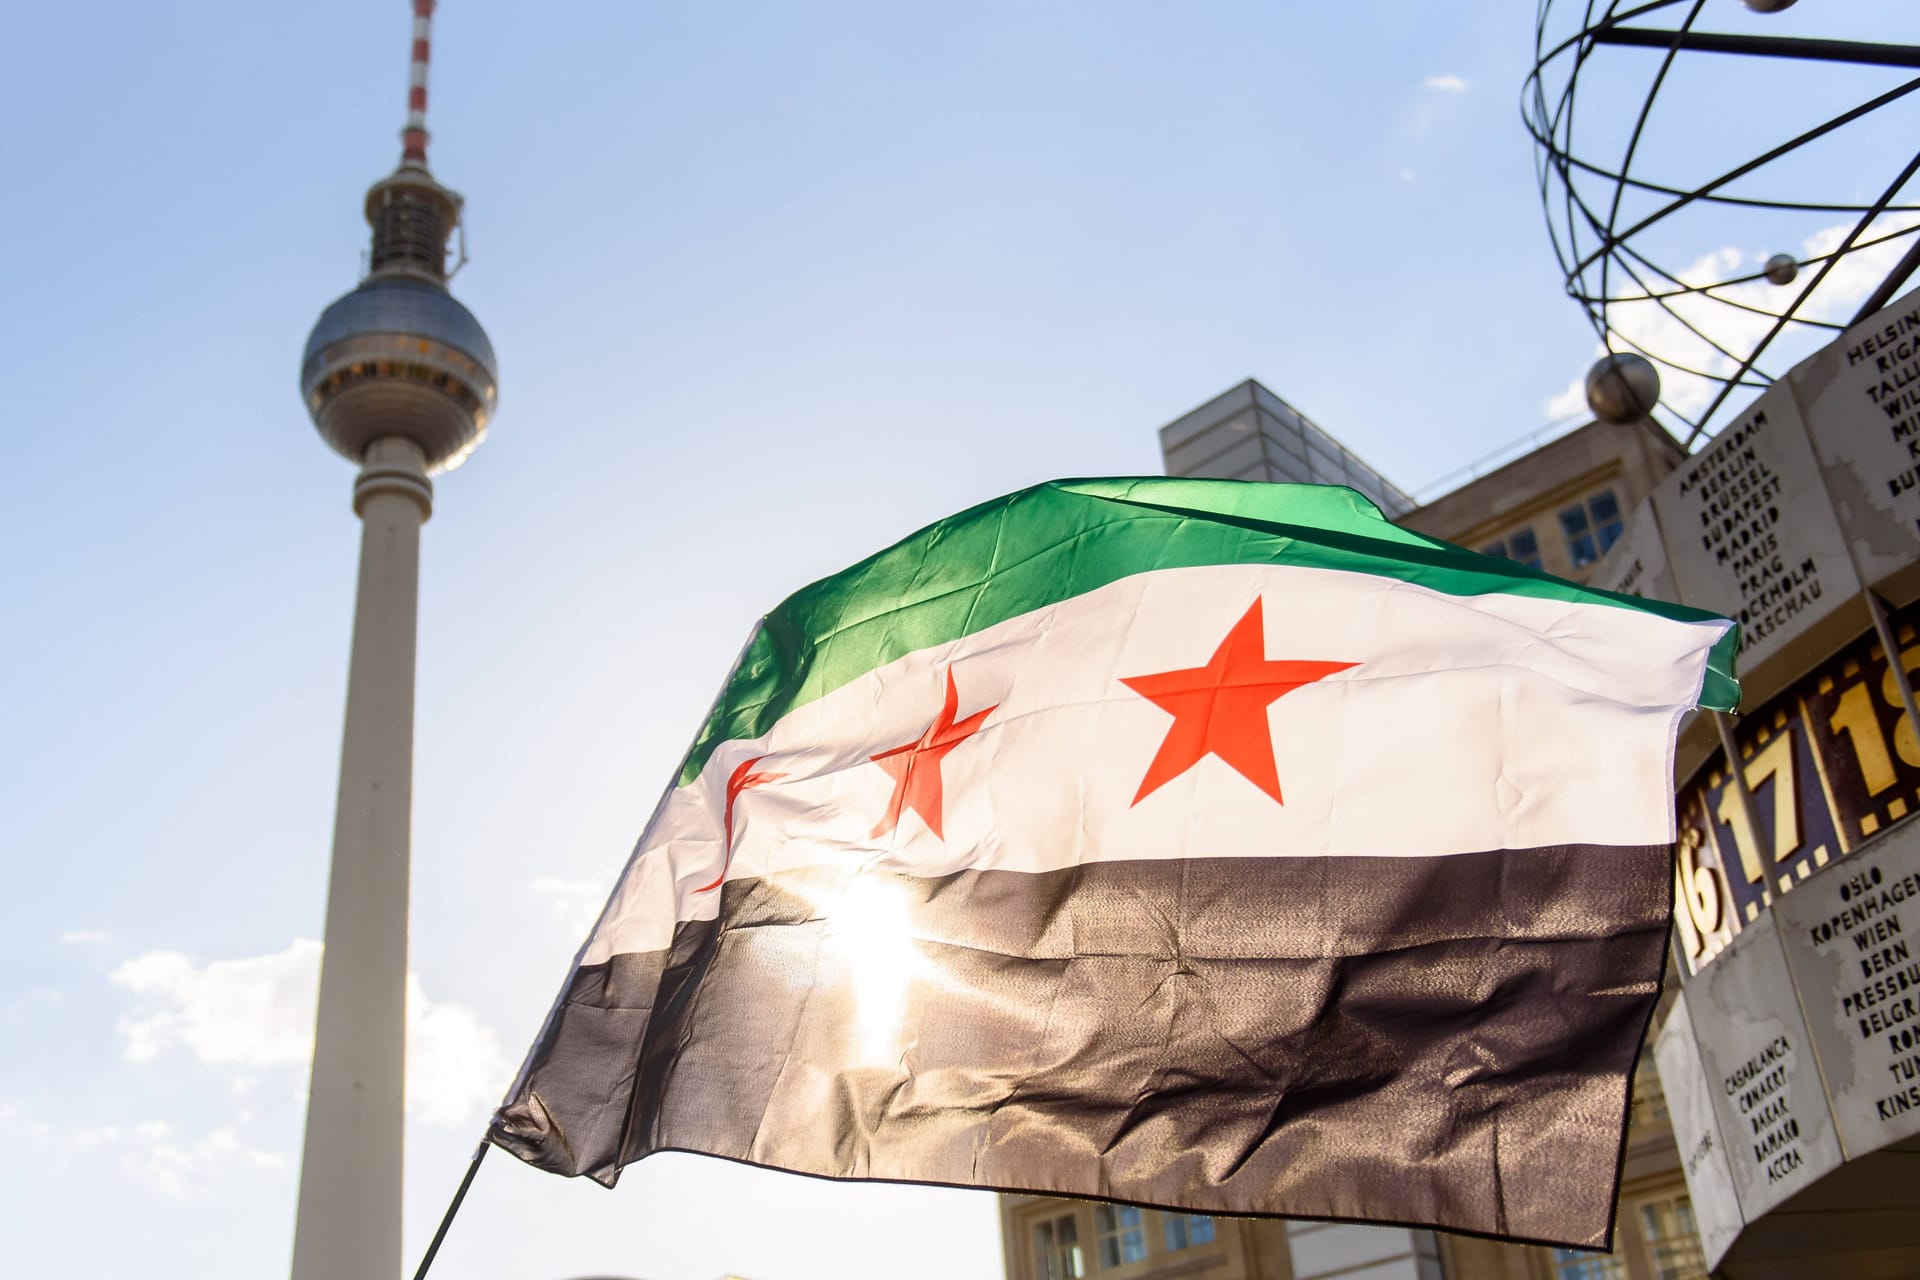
(400, 378)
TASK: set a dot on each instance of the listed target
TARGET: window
(1607, 524)
(1649, 1103)
(1575, 1264)
(1580, 543)
(1183, 1230)
(1056, 1248)
(1519, 545)
(1123, 1234)
(1671, 1239)
(1592, 528)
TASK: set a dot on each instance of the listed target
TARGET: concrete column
(348, 1224)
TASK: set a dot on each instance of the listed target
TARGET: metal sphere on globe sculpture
(1622, 387)
(1769, 6)
(1782, 268)
(400, 356)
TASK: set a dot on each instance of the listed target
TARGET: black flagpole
(473, 1167)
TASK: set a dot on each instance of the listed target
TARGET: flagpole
(446, 1219)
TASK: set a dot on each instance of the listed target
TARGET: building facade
(1562, 506)
(1045, 1238)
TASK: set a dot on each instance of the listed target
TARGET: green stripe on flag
(1062, 539)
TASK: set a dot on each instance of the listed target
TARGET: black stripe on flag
(1443, 1041)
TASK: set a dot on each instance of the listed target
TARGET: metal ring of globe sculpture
(1709, 324)
(400, 356)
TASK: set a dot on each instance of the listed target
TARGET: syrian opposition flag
(1195, 843)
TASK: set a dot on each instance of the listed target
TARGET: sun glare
(870, 930)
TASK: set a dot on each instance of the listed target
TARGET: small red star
(741, 778)
(915, 767)
(1221, 709)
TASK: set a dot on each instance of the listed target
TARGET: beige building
(1051, 1239)
(1558, 507)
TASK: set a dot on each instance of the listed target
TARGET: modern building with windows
(1249, 433)
(1560, 507)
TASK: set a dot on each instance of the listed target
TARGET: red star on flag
(915, 767)
(1221, 709)
(742, 778)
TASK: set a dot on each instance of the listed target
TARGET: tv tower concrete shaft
(348, 1223)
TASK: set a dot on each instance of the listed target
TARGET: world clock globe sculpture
(1677, 144)
(400, 379)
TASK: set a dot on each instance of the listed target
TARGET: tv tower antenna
(400, 378)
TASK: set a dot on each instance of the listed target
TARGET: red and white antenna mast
(412, 215)
(413, 138)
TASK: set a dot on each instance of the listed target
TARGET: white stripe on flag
(1468, 724)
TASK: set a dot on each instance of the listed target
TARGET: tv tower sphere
(400, 356)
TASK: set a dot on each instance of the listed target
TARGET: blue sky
(771, 286)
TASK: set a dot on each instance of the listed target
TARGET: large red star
(915, 767)
(1221, 709)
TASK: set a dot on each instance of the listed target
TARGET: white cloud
(37, 998)
(152, 1155)
(1663, 331)
(149, 1152)
(456, 1071)
(257, 1013)
(573, 903)
(83, 937)
(14, 1123)
(1446, 83)
(1570, 403)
